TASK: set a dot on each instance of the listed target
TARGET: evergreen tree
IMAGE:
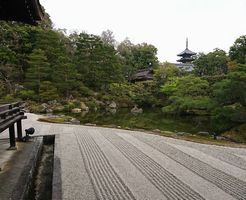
(65, 77)
(97, 62)
(38, 71)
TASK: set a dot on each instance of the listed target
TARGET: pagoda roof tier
(26, 11)
(186, 52)
(184, 60)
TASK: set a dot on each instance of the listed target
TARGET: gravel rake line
(220, 154)
(107, 184)
(167, 183)
(226, 182)
(226, 157)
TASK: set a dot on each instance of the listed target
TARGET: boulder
(83, 106)
(58, 108)
(136, 110)
(99, 103)
(76, 110)
(204, 133)
(54, 102)
(44, 107)
(74, 121)
(49, 110)
(89, 124)
(112, 105)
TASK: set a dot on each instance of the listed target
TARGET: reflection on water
(150, 119)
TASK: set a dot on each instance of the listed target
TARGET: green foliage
(69, 107)
(137, 57)
(85, 91)
(47, 91)
(187, 105)
(170, 87)
(186, 86)
(27, 95)
(121, 92)
(144, 55)
(65, 77)
(222, 119)
(2, 89)
(36, 108)
(232, 89)
(144, 93)
(238, 50)
(9, 98)
(185, 94)
(230, 95)
(38, 71)
(97, 62)
(165, 71)
(213, 63)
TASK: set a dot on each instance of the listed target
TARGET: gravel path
(226, 182)
(109, 164)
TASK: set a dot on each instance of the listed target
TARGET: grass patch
(147, 126)
(58, 120)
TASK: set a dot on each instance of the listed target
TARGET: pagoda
(186, 55)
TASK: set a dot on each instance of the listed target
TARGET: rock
(222, 138)
(76, 110)
(99, 103)
(89, 124)
(58, 108)
(112, 105)
(157, 130)
(136, 110)
(205, 133)
(83, 106)
(49, 110)
(54, 102)
(44, 105)
(181, 133)
(18, 88)
(74, 121)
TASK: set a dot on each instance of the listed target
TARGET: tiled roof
(26, 11)
(186, 52)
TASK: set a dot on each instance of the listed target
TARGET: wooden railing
(9, 115)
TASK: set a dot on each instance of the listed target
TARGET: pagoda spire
(186, 55)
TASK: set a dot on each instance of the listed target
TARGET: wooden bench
(9, 115)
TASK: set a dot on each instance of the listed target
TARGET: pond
(150, 119)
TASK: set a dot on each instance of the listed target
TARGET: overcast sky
(208, 24)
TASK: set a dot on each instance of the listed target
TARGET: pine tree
(38, 71)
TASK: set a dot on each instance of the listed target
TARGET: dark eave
(186, 52)
(26, 11)
(184, 60)
(143, 75)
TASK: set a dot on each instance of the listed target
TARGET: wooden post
(19, 130)
(12, 137)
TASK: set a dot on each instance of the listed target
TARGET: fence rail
(11, 114)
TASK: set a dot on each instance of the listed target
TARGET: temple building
(186, 59)
(186, 55)
(26, 11)
(143, 75)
